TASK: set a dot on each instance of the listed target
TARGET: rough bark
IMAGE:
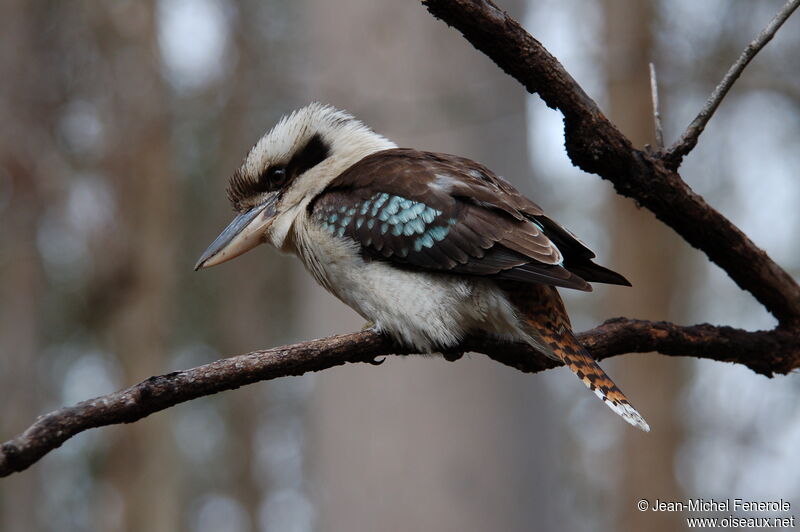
(765, 352)
(594, 144)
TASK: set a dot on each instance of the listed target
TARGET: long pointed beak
(245, 232)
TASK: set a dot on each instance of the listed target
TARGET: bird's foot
(378, 360)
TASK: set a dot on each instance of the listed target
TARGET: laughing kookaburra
(428, 247)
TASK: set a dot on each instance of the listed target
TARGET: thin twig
(765, 352)
(688, 140)
(656, 109)
(595, 145)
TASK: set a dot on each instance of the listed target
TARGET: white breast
(425, 310)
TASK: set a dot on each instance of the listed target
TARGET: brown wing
(444, 213)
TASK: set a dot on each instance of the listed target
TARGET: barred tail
(544, 313)
(582, 364)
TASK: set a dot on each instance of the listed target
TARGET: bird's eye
(276, 176)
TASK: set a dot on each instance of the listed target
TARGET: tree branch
(766, 352)
(595, 145)
(688, 140)
(659, 130)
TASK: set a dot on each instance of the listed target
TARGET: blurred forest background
(121, 122)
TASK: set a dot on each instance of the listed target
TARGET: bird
(427, 247)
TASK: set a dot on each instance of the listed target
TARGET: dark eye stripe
(314, 152)
(241, 186)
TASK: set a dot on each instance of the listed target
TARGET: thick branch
(763, 352)
(595, 145)
(689, 138)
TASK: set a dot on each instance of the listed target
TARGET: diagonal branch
(689, 138)
(764, 352)
(595, 145)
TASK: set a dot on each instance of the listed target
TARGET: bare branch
(656, 112)
(688, 140)
(763, 352)
(595, 145)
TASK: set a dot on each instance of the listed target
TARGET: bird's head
(284, 171)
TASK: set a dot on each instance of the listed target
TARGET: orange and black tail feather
(543, 310)
(581, 363)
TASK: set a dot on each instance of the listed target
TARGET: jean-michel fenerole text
(720, 505)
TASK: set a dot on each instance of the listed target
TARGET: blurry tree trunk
(142, 462)
(421, 444)
(253, 311)
(20, 291)
(648, 254)
(23, 149)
